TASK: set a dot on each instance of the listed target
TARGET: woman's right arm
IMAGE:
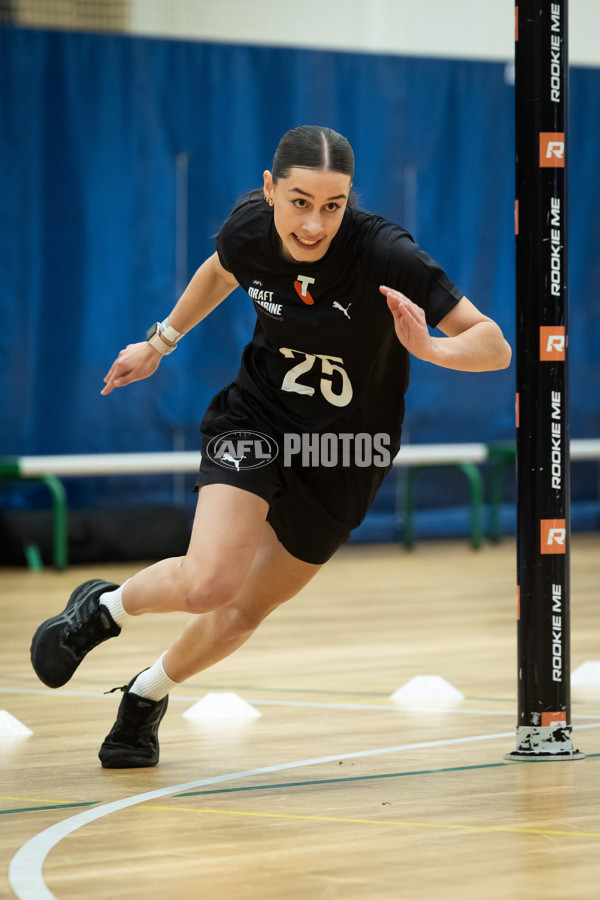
(209, 287)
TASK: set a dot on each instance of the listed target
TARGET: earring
(269, 201)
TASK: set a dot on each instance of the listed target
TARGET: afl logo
(242, 450)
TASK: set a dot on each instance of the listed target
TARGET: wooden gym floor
(333, 792)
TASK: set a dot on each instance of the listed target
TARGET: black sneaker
(60, 643)
(132, 742)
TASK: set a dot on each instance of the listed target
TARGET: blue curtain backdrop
(91, 127)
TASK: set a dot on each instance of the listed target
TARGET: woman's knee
(205, 590)
(243, 620)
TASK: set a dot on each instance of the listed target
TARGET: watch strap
(153, 336)
(169, 333)
(157, 342)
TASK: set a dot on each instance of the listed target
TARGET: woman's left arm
(473, 342)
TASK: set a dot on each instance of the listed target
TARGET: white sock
(153, 683)
(112, 601)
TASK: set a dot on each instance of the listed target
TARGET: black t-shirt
(324, 356)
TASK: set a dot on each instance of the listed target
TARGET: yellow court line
(477, 828)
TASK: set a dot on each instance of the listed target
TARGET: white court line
(25, 871)
(313, 704)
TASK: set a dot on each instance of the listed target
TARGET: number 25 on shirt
(330, 366)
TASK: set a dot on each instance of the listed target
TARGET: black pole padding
(544, 729)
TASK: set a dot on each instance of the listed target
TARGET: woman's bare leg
(234, 573)
(274, 577)
(225, 538)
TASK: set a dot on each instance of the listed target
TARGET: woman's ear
(268, 185)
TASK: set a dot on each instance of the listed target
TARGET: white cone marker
(427, 689)
(221, 705)
(11, 727)
(587, 674)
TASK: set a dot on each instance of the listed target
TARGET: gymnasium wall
(461, 29)
(120, 157)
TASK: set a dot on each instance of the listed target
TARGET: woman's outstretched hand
(409, 323)
(135, 362)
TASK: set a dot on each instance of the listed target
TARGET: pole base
(544, 744)
(520, 756)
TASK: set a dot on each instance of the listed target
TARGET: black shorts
(312, 509)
